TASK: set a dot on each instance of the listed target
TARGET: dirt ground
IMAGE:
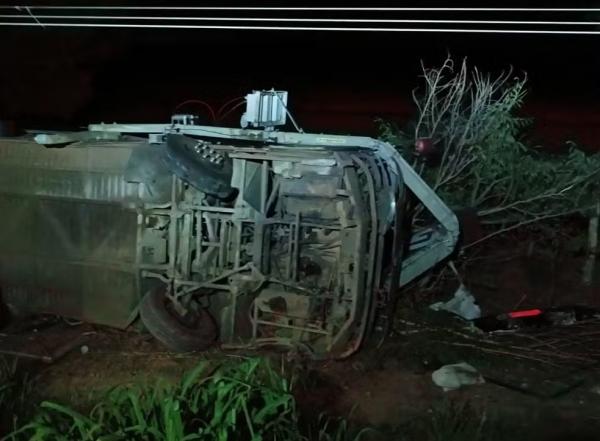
(542, 385)
(387, 387)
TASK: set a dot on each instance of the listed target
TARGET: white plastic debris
(462, 304)
(454, 376)
(84, 349)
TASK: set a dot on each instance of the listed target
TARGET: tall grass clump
(245, 400)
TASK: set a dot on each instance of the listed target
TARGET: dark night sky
(337, 81)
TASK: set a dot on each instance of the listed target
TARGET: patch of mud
(113, 358)
(387, 397)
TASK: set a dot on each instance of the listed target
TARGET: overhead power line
(306, 8)
(302, 28)
(309, 20)
(96, 17)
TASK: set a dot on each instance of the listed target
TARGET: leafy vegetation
(223, 400)
(478, 157)
(245, 400)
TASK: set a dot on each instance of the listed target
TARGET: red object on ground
(526, 313)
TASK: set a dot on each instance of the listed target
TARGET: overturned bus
(210, 235)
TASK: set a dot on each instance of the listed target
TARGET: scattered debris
(536, 318)
(54, 341)
(454, 376)
(63, 350)
(462, 304)
(57, 354)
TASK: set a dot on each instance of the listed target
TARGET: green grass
(241, 400)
